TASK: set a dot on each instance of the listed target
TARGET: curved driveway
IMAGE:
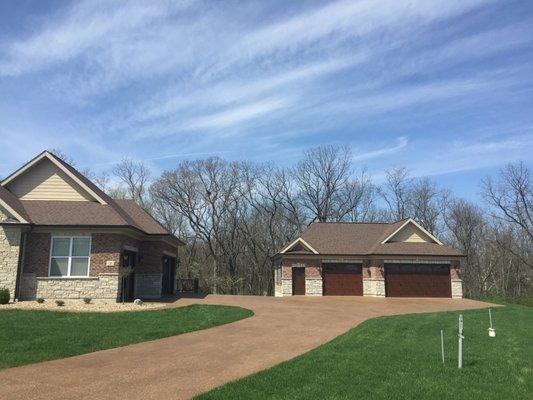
(183, 366)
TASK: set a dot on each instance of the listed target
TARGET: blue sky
(444, 88)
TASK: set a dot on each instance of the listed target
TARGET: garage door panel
(417, 280)
(342, 280)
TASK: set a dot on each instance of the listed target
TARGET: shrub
(39, 300)
(60, 303)
(4, 296)
(86, 300)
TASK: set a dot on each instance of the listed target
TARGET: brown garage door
(342, 280)
(417, 280)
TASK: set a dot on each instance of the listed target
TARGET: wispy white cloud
(235, 115)
(475, 153)
(401, 143)
(172, 101)
(275, 76)
(342, 20)
(86, 25)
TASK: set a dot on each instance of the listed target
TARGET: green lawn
(32, 336)
(399, 358)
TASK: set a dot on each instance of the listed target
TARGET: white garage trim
(299, 240)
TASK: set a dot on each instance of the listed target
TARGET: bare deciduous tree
(511, 197)
(396, 193)
(135, 181)
(322, 175)
(235, 216)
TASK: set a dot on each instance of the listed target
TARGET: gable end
(46, 181)
(299, 245)
(411, 232)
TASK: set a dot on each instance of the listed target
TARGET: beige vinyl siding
(411, 234)
(45, 181)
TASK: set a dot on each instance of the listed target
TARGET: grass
(524, 301)
(399, 358)
(32, 336)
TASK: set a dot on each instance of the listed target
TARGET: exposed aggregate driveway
(182, 366)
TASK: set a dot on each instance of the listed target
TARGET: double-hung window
(70, 256)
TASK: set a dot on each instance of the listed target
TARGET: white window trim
(70, 257)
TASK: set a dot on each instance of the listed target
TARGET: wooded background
(235, 215)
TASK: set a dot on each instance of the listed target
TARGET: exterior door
(342, 280)
(129, 259)
(169, 275)
(417, 280)
(298, 281)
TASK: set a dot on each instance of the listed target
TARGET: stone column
(373, 278)
(9, 256)
(456, 281)
(278, 292)
(286, 280)
(313, 280)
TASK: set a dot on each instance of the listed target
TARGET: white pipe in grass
(492, 331)
(442, 344)
(460, 349)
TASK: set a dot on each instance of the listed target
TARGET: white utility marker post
(461, 337)
(442, 344)
(492, 331)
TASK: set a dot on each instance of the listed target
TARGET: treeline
(235, 215)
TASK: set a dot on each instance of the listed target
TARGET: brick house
(62, 237)
(399, 259)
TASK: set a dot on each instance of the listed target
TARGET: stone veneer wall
(313, 280)
(148, 286)
(9, 255)
(104, 286)
(277, 281)
(457, 288)
(373, 278)
(286, 281)
(455, 277)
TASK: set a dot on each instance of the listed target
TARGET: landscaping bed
(79, 305)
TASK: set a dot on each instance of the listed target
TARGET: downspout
(20, 265)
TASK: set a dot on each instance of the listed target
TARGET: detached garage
(399, 259)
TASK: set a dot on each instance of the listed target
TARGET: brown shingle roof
(12, 201)
(45, 212)
(120, 213)
(87, 213)
(357, 239)
(141, 218)
(346, 238)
